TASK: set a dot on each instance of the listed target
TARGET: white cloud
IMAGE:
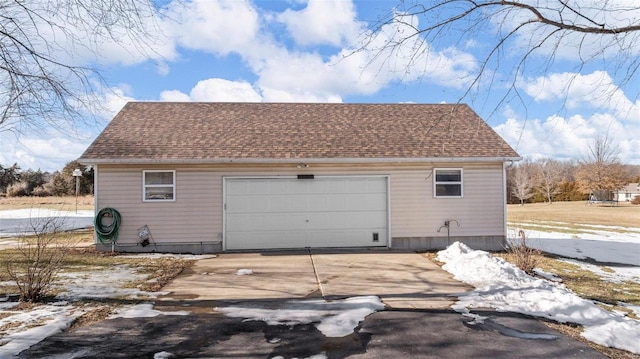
(331, 22)
(174, 96)
(568, 138)
(305, 75)
(219, 27)
(284, 74)
(275, 95)
(595, 90)
(79, 37)
(55, 147)
(224, 90)
(215, 90)
(49, 154)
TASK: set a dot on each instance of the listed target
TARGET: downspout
(95, 201)
(504, 195)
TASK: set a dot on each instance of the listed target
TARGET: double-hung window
(159, 186)
(447, 183)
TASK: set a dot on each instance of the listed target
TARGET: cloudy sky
(307, 51)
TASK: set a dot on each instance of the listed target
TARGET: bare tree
(42, 84)
(522, 182)
(549, 175)
(601, 171)
(589, 31)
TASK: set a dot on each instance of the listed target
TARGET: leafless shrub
(41, 251)
(19, 189)
(521, 254)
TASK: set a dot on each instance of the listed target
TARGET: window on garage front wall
(447, 183)
(159, 186)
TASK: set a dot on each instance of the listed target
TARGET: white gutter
(293, 160)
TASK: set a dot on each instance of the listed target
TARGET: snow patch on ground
(606, 247)
(103, 283)
(163, 355)
(502, 286)
(26, 328)
(317, 356)
(619, 274)
(244, 272)
(546, 275)
(335, 319)
(634, 308)
(190, 257)
(144, 310)
(42, 212)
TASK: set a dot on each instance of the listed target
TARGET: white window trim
(145, 186)
(461, 182)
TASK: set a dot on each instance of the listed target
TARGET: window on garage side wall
(447, 183)
(159, 186)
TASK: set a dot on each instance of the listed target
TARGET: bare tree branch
(521, 31)
(43, 83)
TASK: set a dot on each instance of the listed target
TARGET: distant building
(628, 192)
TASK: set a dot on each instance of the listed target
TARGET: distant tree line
(15, 182)
(600, 174)
(548, 180)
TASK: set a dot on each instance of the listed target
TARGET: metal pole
(77, 173)
(77, 188)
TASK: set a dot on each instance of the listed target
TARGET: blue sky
(303, 51)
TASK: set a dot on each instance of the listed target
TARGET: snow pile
(23, 329)
(103, 283)
(163, 355)
(244, 272)
(334, 319)
(144, 310)
(503, 286)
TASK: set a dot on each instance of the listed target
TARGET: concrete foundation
(485, 243)
(182, 248)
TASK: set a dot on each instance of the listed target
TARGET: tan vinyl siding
(193, 217)
(197, 214)
(416, 213)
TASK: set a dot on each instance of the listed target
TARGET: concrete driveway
(403, 280)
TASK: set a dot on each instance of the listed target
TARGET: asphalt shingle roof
(219, 132)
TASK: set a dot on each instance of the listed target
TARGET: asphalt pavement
(417, 333)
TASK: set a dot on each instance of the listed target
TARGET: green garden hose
(107, 233)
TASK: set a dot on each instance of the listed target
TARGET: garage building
(214, 177)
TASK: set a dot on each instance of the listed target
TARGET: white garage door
(271, 213)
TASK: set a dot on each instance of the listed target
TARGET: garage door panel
(297, 213)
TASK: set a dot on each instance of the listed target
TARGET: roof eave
(191, 161)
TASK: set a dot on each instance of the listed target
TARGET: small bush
(522, 255)
(636, 200)
(41, 250)
(18, 190)
(41, 191)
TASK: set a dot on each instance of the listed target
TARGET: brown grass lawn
(60, 203)
(624, 215)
